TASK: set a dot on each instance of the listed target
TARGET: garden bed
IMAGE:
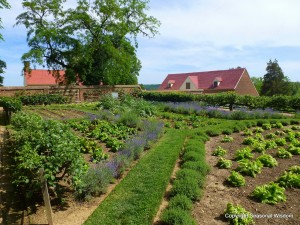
(210, 210)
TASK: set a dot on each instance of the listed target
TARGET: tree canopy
(3, 4)
(94, 42)
(274, 81)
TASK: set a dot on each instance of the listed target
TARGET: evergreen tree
(274, 81)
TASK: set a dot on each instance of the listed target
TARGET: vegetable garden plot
(220, 190)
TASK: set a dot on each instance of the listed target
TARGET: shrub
(191, 156)
(267, 160)
(94, 182)
(237, 215)
(270, 193)
(199, 166)
(250, 168)
(219, 151)
(181, 202)
(244, 153)
(176, 216)
(227, 131)
(129, 119)
(185, 173)
(224, 163)
(187, 186)
(236, 179)
(213, 133)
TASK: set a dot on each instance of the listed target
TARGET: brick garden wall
(76, 93)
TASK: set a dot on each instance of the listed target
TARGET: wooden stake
(46, 197)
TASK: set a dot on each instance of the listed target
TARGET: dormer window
(171, 83)
(217, 81)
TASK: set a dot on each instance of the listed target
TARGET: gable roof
(229, 79)
(43, 77)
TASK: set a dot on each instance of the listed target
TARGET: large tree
(3, 4)
(274, 81)
(94, 42)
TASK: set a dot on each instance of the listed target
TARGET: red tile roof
(204, 80)
(43, 77)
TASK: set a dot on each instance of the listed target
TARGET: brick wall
(76, 93)
(245, 86)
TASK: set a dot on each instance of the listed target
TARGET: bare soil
(217, 193)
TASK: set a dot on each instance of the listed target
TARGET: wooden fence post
(46, 197)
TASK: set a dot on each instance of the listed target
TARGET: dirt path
(210, 209)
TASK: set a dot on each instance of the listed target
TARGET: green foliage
(267, 160)
(294, 150)
(224, 163)
(245, 153)
(95, 41)
(10, 104)
(38, 143)
(227, 139)
(191, 156)
(236, 179)
(187, 186)
(94, 182)
(249, 141)
(181, 202)
(270, 144)
(129, 119)
(199, 166)
(176, 216)
(275, 82)
(270, 193)
(213, 133)
(219, 151)
(237, 215)
(271, 136)
(43, 99)
(250, 168)
(289, 179)
(247, 132)
(259, 147)
(284, 154)
(184, 173)
(280, 141)
(266, 126)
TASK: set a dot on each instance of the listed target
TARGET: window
(187, 85)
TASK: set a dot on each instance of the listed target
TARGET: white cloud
(232, 22)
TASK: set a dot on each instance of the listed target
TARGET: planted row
(188, 184)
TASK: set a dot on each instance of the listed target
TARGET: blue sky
(195, 35)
